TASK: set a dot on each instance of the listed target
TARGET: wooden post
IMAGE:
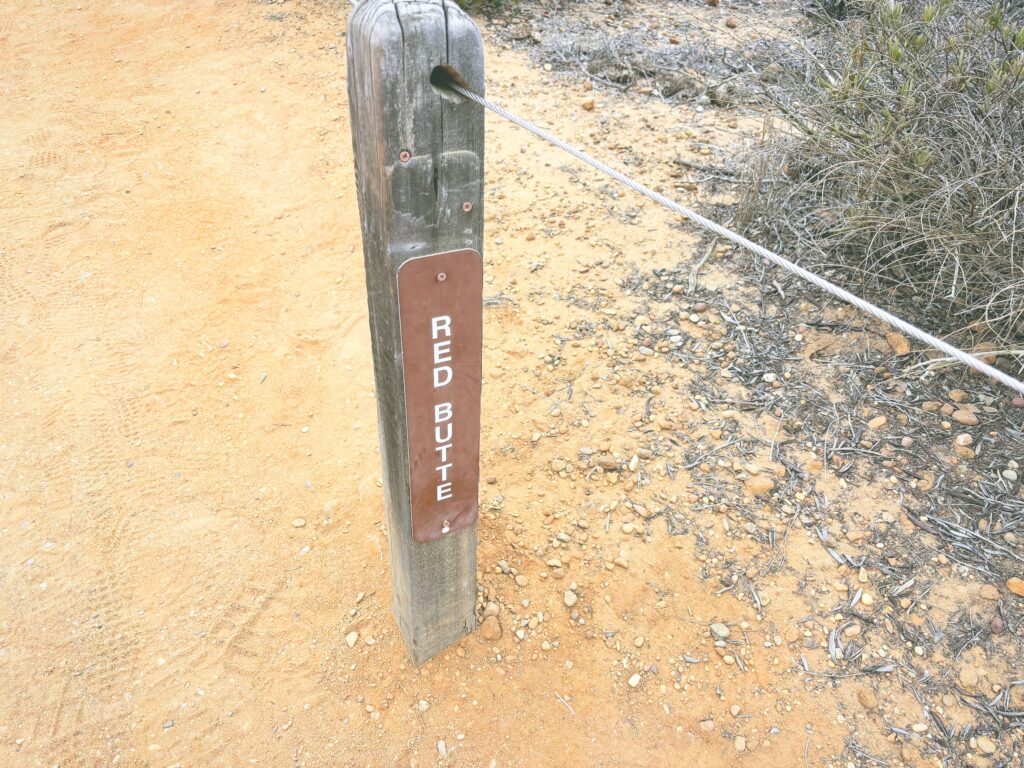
(419, 175)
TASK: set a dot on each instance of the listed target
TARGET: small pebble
(867, 699)
(967, 418)
(719, 631)
(989, 592)
(490, 629)
(986, 745)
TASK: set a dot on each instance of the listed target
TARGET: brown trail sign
(419, 177)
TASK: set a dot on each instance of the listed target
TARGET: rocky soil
(723, 519)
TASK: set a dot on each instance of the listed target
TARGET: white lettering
(442, 352)
(442, 377)
(441, 332)
(438, 324)
(442, 412)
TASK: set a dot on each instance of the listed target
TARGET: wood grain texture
(410, 209)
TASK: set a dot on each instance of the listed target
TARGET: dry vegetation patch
(897, 164)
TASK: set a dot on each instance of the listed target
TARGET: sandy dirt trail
(190, 512)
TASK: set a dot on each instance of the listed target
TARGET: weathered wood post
(419, 155)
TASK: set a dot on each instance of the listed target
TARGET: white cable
(907, 328)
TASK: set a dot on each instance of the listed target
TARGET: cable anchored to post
(866, 306)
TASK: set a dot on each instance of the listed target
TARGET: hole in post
(442, 76)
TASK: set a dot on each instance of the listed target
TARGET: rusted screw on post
(405, 156)
(441, 277)
(467, 206)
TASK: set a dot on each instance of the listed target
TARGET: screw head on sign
(441, 277)
(467, 206)
(405, 156)
(445, 527)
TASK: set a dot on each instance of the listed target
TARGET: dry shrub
(489, 6)
(900, 166)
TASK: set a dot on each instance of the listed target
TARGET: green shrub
(901, 165)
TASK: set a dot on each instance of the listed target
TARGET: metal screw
(445, 527)
(405, 156)
(467, 206)
(441, 277)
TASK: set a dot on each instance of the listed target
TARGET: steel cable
(829, 287)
